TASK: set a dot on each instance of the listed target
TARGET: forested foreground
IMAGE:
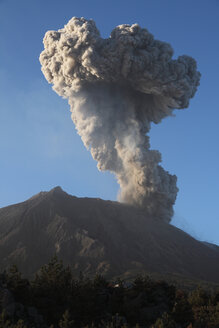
(54, 298)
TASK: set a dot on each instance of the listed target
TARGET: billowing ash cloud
(116, 87)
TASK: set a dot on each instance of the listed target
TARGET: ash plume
(116, 87)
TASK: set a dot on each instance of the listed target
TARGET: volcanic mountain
(97, 236)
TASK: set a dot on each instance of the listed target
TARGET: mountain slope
(93, 235)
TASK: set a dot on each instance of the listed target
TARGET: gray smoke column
(116, 87)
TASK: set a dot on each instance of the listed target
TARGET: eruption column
(116, 87)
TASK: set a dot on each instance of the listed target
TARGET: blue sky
(39, 147)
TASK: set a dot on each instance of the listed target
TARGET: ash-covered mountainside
(93, 235)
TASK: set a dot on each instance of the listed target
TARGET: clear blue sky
(39, 147)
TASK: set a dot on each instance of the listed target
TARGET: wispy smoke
(116, 87)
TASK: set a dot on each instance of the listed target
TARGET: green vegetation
(54, 298)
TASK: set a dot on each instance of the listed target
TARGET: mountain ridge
(98, 236)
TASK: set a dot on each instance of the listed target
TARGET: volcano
(98, 236)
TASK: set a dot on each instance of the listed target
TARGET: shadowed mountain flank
(93, 235)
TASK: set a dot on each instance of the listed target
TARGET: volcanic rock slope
(93, 235)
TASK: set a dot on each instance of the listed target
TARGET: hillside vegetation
(56, 298)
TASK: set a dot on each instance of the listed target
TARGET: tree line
(57, 299)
